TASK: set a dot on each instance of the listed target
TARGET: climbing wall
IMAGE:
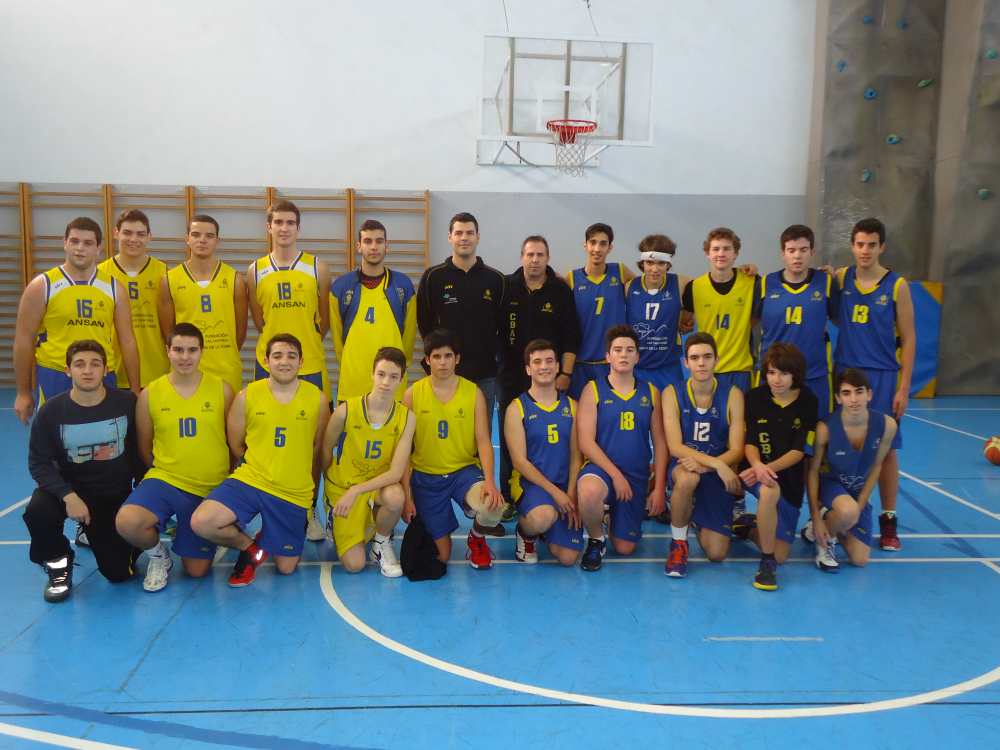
(970, 319)
(883, 62)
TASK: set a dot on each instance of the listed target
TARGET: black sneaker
(593, 555)
(743, 525)
(767, 575)
(498, 530)
(509, 512)
(60, 572)
(81, 536)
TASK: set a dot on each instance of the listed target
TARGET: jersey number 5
(552, 432)
(373, 449)
(279, 437)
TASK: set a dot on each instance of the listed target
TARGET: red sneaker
(245, 569)
(479, 554)
(887, 530)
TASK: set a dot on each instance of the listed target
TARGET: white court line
(950, 496)
(991, 565)
(48, 738)
(956, 408)
(330, 594)
(18, 542)
(946, 427)
(692, 535)
(764, 638)
(11, 508)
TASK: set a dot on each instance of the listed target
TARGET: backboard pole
(621, 93)
(510, 88)
(569, 70)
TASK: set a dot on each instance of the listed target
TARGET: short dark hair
(722, 233)
(535, 238)
(390, 354)
(283, 338)
(700, 337)
(787, 358)
(462, 217)
(620, 332)
(657, 243)
(283, 205)
(440, 338)
(538, 345)
(797, 232)
(372, 225)
(85, 345)
(597, 229)
(186, 329)
(204, 219)
(85, 224)
(852, 376)
(132, 214)
(869, 226)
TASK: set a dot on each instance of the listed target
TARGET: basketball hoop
(570, 139)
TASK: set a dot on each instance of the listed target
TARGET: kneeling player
(367, 448)
(781, 430)
(181, 426)
(452, 453)
(276, 425)
(705, 429)
(850, 450)
(538, 428)
(618, 415)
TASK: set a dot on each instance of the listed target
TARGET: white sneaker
(524, 547)
(157, 573)
(383, 554)
(826, 558)
(314, 529)
(807, 533)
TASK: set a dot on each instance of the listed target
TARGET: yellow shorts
(359, 525)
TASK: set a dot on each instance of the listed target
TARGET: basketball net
(571, 138)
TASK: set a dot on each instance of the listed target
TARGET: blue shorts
(626, 515)
(433, 494)
(822, 388)
(883, 391)
(559, 533)
(49, 383)
(661, 377)
(829, 489)
(283, 524)
(713, 506)
(163, 500)
(788, 516)
(583, 373)
(316, 378)
(740, 379)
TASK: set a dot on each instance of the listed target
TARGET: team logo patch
(565, 411)
(224, 283)
(488, 295)
(532, 416)
(547, 307)
(207, 406)
(817, 297)
(883, 300)
(644, 400)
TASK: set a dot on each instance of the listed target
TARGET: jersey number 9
(443, 429)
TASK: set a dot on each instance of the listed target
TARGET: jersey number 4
(793, 315)
(722, 322)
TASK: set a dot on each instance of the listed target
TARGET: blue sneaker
(677, 560)
(593, 555)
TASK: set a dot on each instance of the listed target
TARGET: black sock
(767, 556)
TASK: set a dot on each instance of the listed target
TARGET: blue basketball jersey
(623, 425)
(797, 316)
(547, 435)
(600, 304)
(867, 323)
(705, 430)
(654, 314)
(848, 466)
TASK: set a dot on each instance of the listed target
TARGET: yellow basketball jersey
(727, 318)
(190, 451)
(209, 306)
(287, 297)
(142, 288)
(74, 311)
(373, 327)
(280, 437)
(445, 438)
(364, 451)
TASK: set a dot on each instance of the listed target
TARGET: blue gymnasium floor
(902, 654)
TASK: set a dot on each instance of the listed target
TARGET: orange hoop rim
(567, 130)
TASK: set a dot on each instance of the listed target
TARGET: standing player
(851, 449)
(619, 414)
(452, 453)
(653, 308)
(780, 431)
(288, 294)
(367, 450)
(599, 293)
(276, 426)
(181, 425)
(370, 308)
(540, 434)
(140, 274)
(795, 304)
(209, 294)
(705, 429)
(64, 304)
(82, 455)
(876, 312)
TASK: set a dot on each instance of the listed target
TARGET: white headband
(656, 255)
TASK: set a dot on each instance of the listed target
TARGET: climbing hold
(893, 139)
(984, 194)
(866, 175)
(925, 82)
(991, 54)
(841, 66)
(867, 20)
(870, 93)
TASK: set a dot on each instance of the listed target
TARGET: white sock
(598, 538)
(158, 551)
(381, 538)
(475, 533)
(680, 533)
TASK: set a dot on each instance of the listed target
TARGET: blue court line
(167, 728)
